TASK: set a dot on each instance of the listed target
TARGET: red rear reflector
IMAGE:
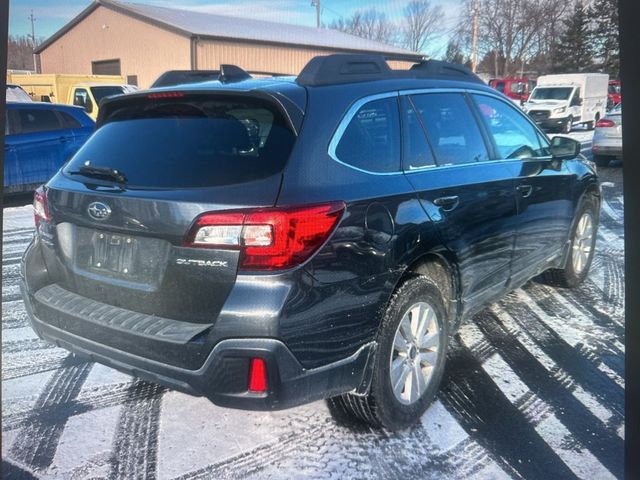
(257, 375)
(157, 95)
(605, 123)
(268, 238)
(40, 206)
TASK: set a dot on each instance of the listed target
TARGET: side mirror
(521, 89)
(563, 148)
(45, 98)
(88, 106)
(576, 102)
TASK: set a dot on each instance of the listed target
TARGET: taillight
(605, 123)
(257, 376)
(40, 206)
(268, 238)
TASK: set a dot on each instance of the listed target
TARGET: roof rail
(232, 73)
(343, 68)
(350, 68)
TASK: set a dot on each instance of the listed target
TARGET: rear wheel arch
(442, 271)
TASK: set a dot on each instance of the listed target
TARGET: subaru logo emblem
(98, 211)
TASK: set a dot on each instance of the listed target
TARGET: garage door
(106, 67)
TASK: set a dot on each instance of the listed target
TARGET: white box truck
(560, 101)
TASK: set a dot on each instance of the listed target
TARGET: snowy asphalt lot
(534, 388)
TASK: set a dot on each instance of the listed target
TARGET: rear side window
(37, 120)
(195, 141)
(513, 134)
(451, 128)
(371, 140)
(68, 121)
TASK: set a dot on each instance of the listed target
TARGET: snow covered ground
(534, 388)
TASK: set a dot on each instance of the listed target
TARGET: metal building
(142, 41)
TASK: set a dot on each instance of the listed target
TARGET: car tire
(581, 249)
(601, 161)
(416, 301)
(568, 125)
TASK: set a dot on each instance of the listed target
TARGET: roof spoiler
(349, 68)
(232, 73)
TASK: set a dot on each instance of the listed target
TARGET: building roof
(208, 25)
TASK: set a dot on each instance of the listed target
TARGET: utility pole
(474, 43)
(33, 40)
(316, 3)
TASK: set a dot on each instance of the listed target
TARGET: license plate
(113, 253)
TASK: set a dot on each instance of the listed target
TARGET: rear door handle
(447, 203)
(63, 139)
(525, 190)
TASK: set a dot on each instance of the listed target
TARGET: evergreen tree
(574, 52)
(604, 15)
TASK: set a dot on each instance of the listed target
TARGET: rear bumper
(88, 328)
(223, 377)
(607, 147)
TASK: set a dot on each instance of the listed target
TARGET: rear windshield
(100, 92)
(189, 142)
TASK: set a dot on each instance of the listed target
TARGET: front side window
(371, 141)
(39, 120)
(416, 152)
(513, 134)
(451, 128)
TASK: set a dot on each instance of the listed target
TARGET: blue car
(39, 138)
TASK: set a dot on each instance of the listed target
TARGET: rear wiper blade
(101, 172)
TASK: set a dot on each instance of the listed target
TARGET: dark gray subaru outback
(267, 243)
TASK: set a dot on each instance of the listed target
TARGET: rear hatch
(122, 209)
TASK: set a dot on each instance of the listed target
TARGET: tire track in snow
(585, 427)
(482, 409)
(36, 445)
(136, 438)
(583, 370)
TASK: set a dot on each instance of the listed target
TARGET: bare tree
(421, 22)
(369, 24)
(19, 52)
(513, 32)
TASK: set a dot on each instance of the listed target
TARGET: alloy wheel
(415, 352)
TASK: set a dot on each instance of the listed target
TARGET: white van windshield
(552, 93)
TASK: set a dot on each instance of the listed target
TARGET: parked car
(15, 93)
(607, 138)
(179, 77)
(39, 138)
(561, 101)
(517, 89)
(268, 243)
(614, 95)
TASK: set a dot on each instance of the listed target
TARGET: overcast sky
(52, 15)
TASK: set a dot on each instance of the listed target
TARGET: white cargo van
(560, 101)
